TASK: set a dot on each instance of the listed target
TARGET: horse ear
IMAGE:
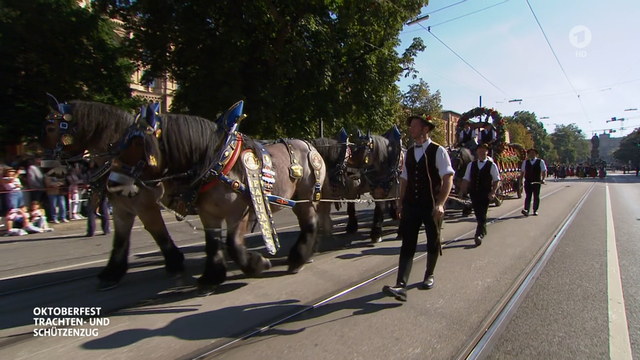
(53, 102)
(359, 133)
(151, 116)
(369, 133)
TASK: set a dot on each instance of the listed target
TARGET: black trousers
(480, 202)
(104, 211)
(531, 189)
(413, 216)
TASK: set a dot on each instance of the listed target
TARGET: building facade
(608, 145)
(450, 119)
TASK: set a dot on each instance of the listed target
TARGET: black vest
(467, 136)
(423, 183)
(481, 179)
(532, 172)
(486, 136)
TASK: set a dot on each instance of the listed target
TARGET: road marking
(337, 218)
(619, 342)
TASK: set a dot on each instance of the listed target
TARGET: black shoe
(535, 212)
(88, 235)
(525, 212)
(478, 240)
(429, 281)
(399, 292)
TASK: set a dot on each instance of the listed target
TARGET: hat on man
(484, 145)
(534, 150)
(425, 121)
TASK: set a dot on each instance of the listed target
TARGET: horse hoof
(398, 237)
(206, 290)
(310, 261)
(267, 264)
(105, 285)
(376, 240)
(293, 271)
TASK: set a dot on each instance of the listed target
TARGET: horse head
(138, 150)
(59, 130)
(361, 150)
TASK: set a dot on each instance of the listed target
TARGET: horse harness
(96, 184)
(377, 181)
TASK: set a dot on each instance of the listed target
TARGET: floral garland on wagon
(496, 120)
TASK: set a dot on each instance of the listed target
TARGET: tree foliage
(58, 47)
(519, 134)
(570, 144)
(294, 62)
(629, 149)
(419, 100)
(536, 129)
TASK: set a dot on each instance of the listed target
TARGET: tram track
(229, 343)
(152, 264)
(478, 344)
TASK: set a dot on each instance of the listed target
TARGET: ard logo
(281, 201)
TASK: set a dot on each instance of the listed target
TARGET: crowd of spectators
(32, 197)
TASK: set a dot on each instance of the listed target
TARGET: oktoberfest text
(64, 321)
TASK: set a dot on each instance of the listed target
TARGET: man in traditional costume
(534, 171)
(425, 183)
(481, 179)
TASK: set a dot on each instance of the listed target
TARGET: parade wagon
(507, 156)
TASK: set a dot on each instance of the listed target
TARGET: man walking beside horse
(425, 183)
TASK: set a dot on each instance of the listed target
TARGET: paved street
(565, 314)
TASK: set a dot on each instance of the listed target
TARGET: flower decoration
(496, 120)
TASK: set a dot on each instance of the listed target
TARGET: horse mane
(331, 151)
(191, 143)
(98, 125)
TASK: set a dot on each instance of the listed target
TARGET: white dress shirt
(543, 166)
(443, 162)
(495, 173)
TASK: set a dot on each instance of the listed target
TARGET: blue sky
(505, 44)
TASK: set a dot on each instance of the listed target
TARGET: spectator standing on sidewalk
(35, 180)
(73, 179)
(58, 203)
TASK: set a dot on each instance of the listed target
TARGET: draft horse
(228, 175)
(73, 128)
(339, 182)
(379, 163)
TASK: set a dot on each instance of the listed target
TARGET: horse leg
(393, 211)
(352, 224)
(151, 217)
(118, 264)
(376, 226)
(251, 263)
(304, 247)
(215, 267)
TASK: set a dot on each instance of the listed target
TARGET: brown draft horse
(174, 144)
(79, 126)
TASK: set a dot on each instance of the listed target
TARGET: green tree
(629, 149)
(570, 144)
(58, 47)
(294, 62)
(419, 100)
(536, 129)
(519, 134)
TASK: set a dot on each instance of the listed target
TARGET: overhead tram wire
(460, 57)
(587, 90)
(558, 60)
(461, 16)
